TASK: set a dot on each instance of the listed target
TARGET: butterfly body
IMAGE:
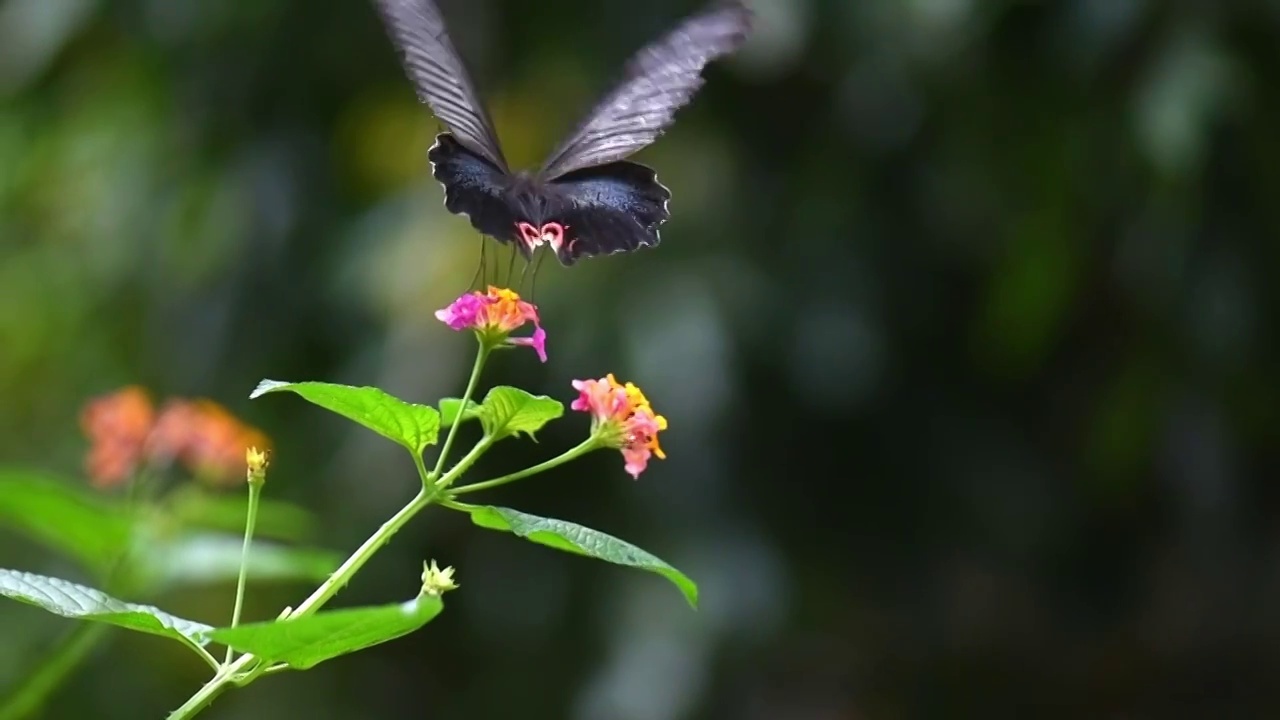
(586, 199)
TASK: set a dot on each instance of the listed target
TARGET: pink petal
(463, 313)
(637, 459)
(583, 402)
(537, 341)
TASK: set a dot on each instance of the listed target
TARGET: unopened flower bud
(257, 461)
(436, 581)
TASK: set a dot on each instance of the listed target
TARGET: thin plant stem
(481, 355)
(422, 468)
(240, 671)
(582, 449)
(255, 492)
(230, 673)
(204, 655)
(247, 667)
(210, 690)
(465, 463)
(348, 569)
(235, 672)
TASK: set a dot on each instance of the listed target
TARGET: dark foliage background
(962, 323)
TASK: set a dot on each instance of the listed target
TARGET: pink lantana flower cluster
(621, 417)
(494, 315)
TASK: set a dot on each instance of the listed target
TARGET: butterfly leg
(533, 282)
(511, 267)
(480, 269)
(524, 275)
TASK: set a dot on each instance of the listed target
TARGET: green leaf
(413, 426)
(449, 408)
(509, 411)
(193, 506)
(64, 516)
(210, 558)
(580, 540)
(308, 641)
(65, 598)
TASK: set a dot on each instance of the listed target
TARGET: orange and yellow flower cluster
(126, 432)
(622, 417)
(494, 315)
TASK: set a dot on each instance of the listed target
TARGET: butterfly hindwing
(608, 209)
(474, 187)
(439, 75)
(659, 80)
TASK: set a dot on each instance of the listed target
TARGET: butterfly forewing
(658, 81)
(438, 74)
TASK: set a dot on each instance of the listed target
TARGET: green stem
(422, 469)
(232, 673)
(348, 569)
(51, 670)
(204, 655)
(255, 492)
(465, 463)
(582, 449)
(481, 355)
(241, 671)
(205, 695)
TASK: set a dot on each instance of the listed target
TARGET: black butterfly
(586, 199)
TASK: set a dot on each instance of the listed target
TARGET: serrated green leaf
(68, 599)
(509, 411)
(64, 516)
(308, 641)
(574, 538)
(208, 558)
(194, 506)
(449, 408)
(413, 426)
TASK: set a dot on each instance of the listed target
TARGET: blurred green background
(961, 323)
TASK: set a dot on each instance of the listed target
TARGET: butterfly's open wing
(658, 81)
(438, 74)
(473, 187)
(610, 208)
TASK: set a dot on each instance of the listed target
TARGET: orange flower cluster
(117, 426)
(494, 315)
(125, 431)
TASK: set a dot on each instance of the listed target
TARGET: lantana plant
(127, 435)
